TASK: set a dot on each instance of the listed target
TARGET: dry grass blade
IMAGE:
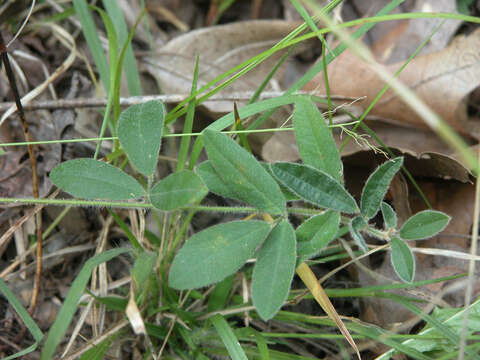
(310, 280)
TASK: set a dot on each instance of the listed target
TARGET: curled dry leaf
(220, 48)
(443, 80)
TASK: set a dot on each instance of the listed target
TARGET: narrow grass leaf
(93, 179)
(140, 130)
(97, 352)
(26, 318)
(243, 174)
(65, 315)
(403, 260)
(377, 185)
(214, 182)
(424, 224)
(133, 240)
(355, 226)
(315, 186)
(91, 35)
(215, 253)
(177, 190)
(316, 233)
(314, 139)
(273, 272)
(389, 216)
(228, 337)
(131, 68)
(143, 267)
(217, 299)
(188, 125)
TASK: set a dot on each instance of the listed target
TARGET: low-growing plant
(213, 254)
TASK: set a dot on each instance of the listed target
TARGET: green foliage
(316, 233)
(424, 224)
(377, 185)
(211, 255)
(315, 186)
(403, 260)
(143, 267)
(93, 179)
(314, 139)
(389, 216)
(176, 190)
(140, 129)
(356, 225)
(243, 174)
(273, 272)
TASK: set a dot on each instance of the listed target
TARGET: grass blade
(228, 337)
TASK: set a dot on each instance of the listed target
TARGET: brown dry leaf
(399, 43)
(443, 80)
(220, 48)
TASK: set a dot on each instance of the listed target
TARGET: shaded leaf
(315, 186)
(177, 190)
(142, 267)
(216, 252)
(403, 260)
(316, 233)
(424, 224)
(355, 226)
(273, 272)
(93, 179)
(314, 139)
(214, 182)
(377, 185)
(389, 216)
(243, 174)
(140, 129)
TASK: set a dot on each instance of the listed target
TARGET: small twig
(168, 99)
(33, 165)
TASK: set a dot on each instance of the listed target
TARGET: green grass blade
(93, 41)
(26, 318)
(131, 67)
(65, 315)
(228, 337)
(188, 126)
(133, 240)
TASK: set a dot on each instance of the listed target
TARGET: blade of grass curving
(311, 24)
(237, 126)
(228, 337)
(433, 121)
(26, 318)
(439, 326)
(318, 67)
(133, 240)
(90, 32)
(131, 67)
(259, 339)
(112, 45)
(65, 315)
(188, 126)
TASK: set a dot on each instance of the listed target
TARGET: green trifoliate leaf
(355, 226)
(424, 224)
(314, 139)
(403, 260)
(315, 186)
(216, 252)
(389, 216)
(140, 129)
(213, 181)
(176, 190)
(315, 234)
(93, 179)
(243, 174)
(273, 272)
(289, 196)
(377, 185)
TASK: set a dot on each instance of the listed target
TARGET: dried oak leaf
(443, 80)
